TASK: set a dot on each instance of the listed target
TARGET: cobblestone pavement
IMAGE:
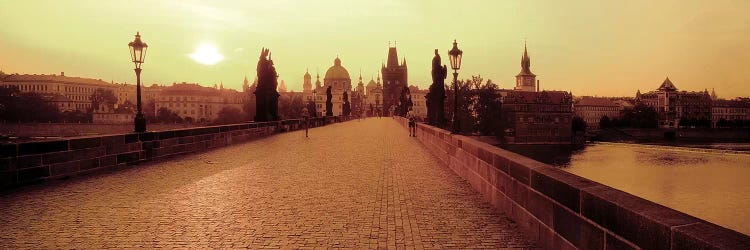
(359, 184)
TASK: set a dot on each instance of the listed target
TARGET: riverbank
(673, 136)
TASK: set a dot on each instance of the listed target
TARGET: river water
(710, 181)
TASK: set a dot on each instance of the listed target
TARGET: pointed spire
(392, 60)
(525, 62)
(667, 85)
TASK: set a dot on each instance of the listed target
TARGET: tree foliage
(604, 122)
(102, 97)
(26, 107)
(166, 115)
(641, 116)
(487, 109)
(229, 115)
(479, 106)
(579, 125)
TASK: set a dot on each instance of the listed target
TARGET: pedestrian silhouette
(306, 120)
(412, 123)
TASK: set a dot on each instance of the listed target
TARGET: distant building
(374, 98)
(74, 93)
(67, 93)
(537, 117)
(672, 105)
(282, 87)
(730, 111)
(107, 114)
(307, 88)
(419, 102)
(357, 98)
(624, 105)
(395, 78)
(336, 77)
(127, 93)
(592, 109)
(525, 80)
(192, 101)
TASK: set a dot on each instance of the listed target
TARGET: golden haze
(605, 48)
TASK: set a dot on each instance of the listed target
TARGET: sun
(207, 54)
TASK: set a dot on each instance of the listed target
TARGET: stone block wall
(564, 211)
(23, 163)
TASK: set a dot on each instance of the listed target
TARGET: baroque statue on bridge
(404, 101)
(329, 104)
(346, 108)
(436, 96)
(266, 96)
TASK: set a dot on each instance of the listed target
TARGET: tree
(579, 125)
(248, 103)
(311, 107)
(149, 110)
(604, 122)
(296, 106)
(641, 116)
(102, 96)
(167, 116)
(722, 123)
(704, 122)
(685, 123)
(75, 117)
(26, 107)
(346, 108)
(488, 110)
(229, 115)
(284, 106)
(465, 117)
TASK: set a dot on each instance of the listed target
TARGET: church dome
(337, 71)
(307, 75)
(371, 84)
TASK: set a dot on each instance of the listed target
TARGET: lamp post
(315, 102)
(138, 54)
(455, 55)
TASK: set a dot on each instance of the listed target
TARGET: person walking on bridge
(412, 123)
(306, 120)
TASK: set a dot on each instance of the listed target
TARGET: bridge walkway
(358, 184)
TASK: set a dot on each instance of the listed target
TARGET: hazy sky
(589, 47)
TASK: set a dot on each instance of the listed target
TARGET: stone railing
(564, 211)
(22, 163)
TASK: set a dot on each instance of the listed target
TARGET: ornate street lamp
(138, 54)
(315, 101)
(455, 55)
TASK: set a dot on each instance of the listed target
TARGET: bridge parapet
(22, 163)
(564, 211)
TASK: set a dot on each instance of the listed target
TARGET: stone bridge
(354, 184)
(358, 184)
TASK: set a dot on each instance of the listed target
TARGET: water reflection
(707, 181)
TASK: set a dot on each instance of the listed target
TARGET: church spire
(317, 80)
(392, 60)
(525, 60)
(525, 80)
(245, 84)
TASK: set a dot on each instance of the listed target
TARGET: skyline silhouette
(576, 47)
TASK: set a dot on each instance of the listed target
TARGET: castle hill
(374, 124)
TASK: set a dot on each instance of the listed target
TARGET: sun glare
(207, 54)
